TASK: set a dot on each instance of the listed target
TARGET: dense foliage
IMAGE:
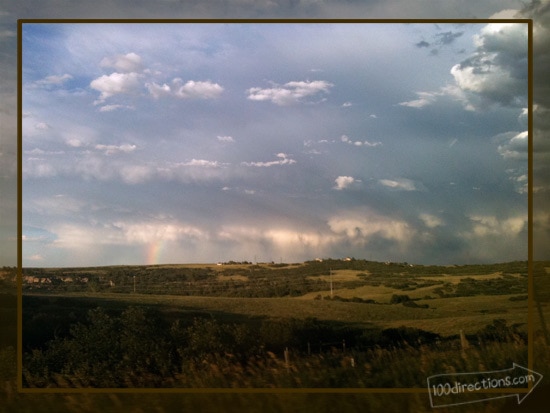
(139, 347)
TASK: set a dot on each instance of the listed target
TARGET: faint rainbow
(154, 251)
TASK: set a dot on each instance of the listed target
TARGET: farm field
(444, 316)
(253, 313)
(362, 291)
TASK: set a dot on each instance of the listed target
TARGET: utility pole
(330, 271)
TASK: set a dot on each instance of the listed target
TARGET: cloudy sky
(164, 143)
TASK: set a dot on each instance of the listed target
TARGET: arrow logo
(462, 388)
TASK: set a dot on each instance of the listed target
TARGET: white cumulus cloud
(343, 182)
(112, 149)
(497, 71)
(514, 145)
(489, 225)
(197, 89)
(114, 84)
(158, 91)
(130, 62)
(190, 90)
(290, 93)
(283, 160)
(361, 226)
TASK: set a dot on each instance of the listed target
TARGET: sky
(184, 143)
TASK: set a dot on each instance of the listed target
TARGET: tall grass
(377, 368)
(406, 367)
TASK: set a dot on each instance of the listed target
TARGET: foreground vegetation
(139, 348)
(450, 357)
(268, 325)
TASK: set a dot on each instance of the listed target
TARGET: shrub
(500, 331)
(413, 304)
(398, 298)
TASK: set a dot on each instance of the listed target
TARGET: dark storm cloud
(539, 11)
(422, 43)
(447, 38)
(497, 72)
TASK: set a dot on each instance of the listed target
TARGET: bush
(500, 331)
(413, 304)
(398, 298)
(107, 351)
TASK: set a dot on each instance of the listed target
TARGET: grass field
(457, 297)
(254, 310)
(445, 316)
